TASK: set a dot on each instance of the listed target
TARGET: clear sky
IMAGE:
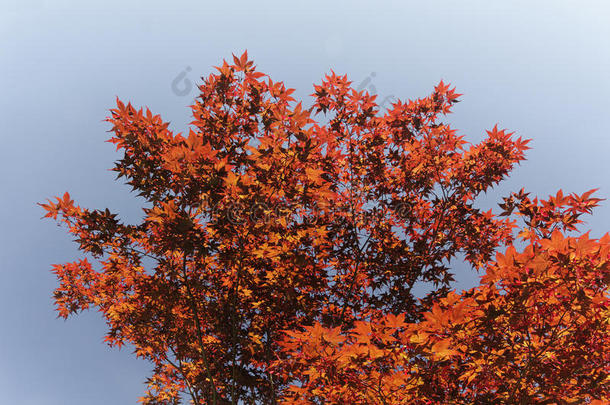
(539, 68)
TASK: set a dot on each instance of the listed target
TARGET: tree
(286, 251)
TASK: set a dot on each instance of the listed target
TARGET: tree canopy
(287, 243)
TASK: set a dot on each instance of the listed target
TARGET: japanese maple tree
(286, 251)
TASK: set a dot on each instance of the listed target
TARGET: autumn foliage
(287, 251)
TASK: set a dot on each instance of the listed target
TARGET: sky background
(538, 68)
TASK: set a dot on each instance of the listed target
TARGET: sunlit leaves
(278, 254)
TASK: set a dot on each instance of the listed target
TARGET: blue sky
(538, 68)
